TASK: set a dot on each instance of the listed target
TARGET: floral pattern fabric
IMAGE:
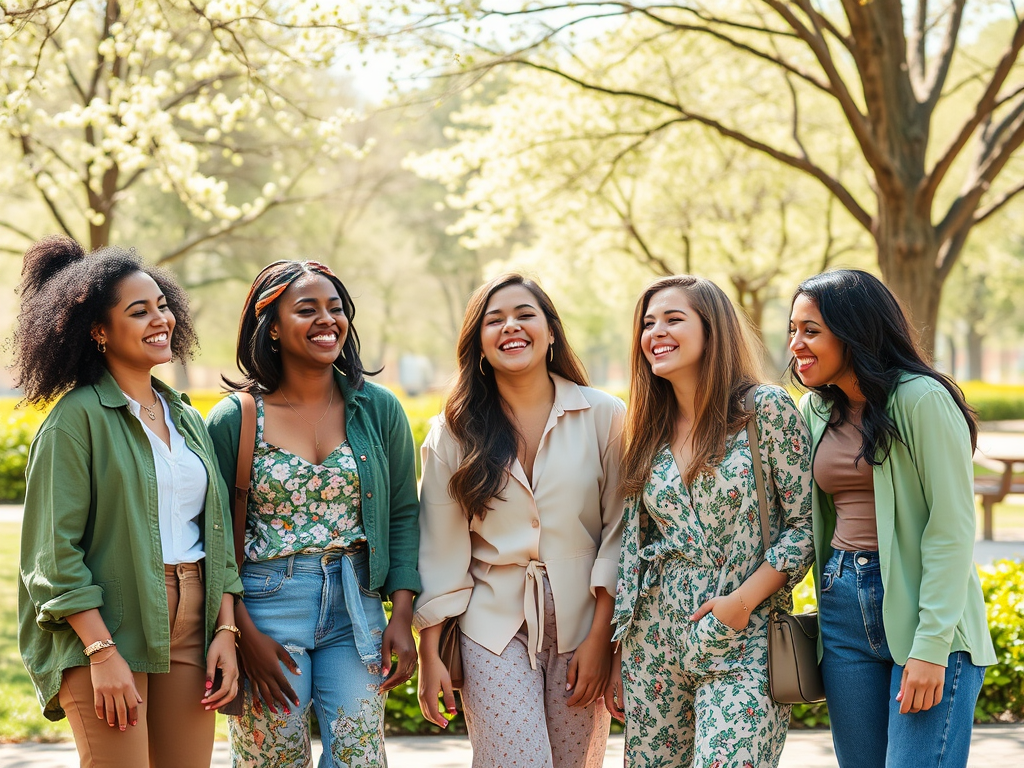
(697, 693)
(295, 506)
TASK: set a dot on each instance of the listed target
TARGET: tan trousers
(517, 716)
(174, 729)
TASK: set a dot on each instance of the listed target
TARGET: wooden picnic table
(994, 488)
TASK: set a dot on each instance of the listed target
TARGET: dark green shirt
(378, 432)
(91, 535)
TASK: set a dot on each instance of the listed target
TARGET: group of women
(601, 559)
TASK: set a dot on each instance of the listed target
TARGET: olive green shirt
(924, 508)
(91, 535)
(378, 432)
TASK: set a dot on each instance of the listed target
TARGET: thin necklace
(150, 409)
(315, 424)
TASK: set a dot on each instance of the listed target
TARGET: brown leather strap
(243, 474)
(755, 454)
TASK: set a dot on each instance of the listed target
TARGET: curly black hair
(64, 292)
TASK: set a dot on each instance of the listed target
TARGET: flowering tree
(937, 134)
(225, 107)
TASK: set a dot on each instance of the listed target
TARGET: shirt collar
(111, 396)
(568, 395)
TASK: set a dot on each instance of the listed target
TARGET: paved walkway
(992, 745)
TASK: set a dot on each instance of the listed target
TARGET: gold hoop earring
(274, 347)
(480, 365)
(551, 352)
(101, 345)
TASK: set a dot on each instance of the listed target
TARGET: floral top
(295, 506)
(713, 527)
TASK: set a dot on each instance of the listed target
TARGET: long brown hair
(475, 413)
(729, 368)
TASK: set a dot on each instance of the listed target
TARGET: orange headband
(272, 294)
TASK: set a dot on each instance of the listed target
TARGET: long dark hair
(729, 368)
(260, 365)
(64, 292)
(880, 347)
(475, 413)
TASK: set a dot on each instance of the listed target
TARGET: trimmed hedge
(995, 402)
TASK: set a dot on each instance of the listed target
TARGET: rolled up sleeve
(57, 504)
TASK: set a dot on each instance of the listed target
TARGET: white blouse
(567, 522)
(180, 487)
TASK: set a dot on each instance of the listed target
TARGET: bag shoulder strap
(755, 454)
(243, 473)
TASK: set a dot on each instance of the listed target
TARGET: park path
(991, 745)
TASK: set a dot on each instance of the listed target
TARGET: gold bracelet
(230, 628)
(743, 604)
(99, 645)
(106, 658)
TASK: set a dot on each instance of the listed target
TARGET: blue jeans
(318, 607)
(862, 680)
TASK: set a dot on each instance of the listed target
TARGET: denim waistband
(315, 562)
(860, 560)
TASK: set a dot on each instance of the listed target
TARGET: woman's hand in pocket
(729, 609)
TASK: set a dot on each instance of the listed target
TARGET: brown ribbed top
(848, 481)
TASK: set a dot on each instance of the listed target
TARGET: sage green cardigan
(378, 432)
(924, 509)
(91, 535)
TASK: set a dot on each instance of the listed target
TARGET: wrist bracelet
(99, 645)
(743, 604)
(229, 628)
(106, 658)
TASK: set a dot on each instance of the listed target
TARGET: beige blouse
(568, 523)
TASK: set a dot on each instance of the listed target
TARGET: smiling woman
(520, 535)
(123, 647)
(330, 526)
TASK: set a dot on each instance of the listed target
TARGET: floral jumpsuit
(696, 694)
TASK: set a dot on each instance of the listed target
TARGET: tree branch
(802, 164)
(858, 122)
(996, 205)
(940, 69)
(981, 112)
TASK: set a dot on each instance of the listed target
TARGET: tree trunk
(907, 255)
(975, 339)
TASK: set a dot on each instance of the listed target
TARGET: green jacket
(378, 432)
(91, 536)
(924, 508)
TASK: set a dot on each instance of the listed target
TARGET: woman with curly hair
(520, 537)
(330, 529)
(904, 638)
(696, 586)
(127, 575)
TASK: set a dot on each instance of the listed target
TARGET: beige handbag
(793, 674)
(449, 647)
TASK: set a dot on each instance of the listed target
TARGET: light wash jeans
(862, 680)
(318, 607)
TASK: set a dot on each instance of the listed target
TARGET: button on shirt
(181, 490)
(567, 522)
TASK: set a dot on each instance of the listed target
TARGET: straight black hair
(880, 348)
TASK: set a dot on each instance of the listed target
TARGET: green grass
(20, 716)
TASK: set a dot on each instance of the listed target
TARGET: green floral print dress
(696, 693)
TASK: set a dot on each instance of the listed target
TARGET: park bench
(994, 488)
